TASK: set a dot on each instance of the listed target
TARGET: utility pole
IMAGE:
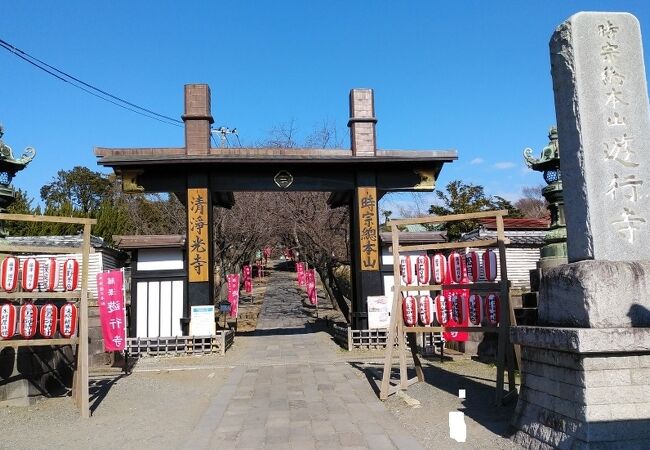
(223, 133)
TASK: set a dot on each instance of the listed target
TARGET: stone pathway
(289, 390)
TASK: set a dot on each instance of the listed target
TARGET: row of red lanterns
(29, 320)
(450, 308)
(38, 275)
(436, 267)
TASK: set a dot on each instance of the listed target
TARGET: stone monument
(586, 368)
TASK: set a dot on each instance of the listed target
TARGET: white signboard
(379, 308)
(202, 321)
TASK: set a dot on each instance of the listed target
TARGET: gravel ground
(487, 425)
(143, 410)
(160, 403)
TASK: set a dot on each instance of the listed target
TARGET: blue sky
(468, 75)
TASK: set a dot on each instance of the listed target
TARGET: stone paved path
(289, 390)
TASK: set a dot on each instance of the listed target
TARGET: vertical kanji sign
(110, 299)
(197, 234)
(368, 228)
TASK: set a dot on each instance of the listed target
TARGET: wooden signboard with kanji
(197, 234)
(368, 228)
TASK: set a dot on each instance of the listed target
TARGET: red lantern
(457, 305)
(410, 311)
(439, 265)
(490, 265)
(475, 307)
(50, 275)
(47, 320)
(423, 265)
(30, 274)
(426, 309)
(492, 309)
(473, 266)
(442, 308)
(68, 320)
(456, 267)
(71, 274)
(7, 321)
(28, 320)
(406, 270)
(10, 273)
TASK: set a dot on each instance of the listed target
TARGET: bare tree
(533, 204)
(321, 236)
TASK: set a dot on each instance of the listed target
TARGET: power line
(88, 88)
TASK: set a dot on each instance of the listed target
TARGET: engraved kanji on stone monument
(601, 104)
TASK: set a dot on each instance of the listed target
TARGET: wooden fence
(181, 345)
(376, 339)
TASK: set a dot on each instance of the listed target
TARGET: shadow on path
(478, 405)
(99, 389)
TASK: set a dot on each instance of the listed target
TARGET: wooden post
(392, 328)
(350, 339)
(83, 329)
(503, 347)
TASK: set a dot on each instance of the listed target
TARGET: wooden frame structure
(397, 330)
(80, 391)
(204, 176)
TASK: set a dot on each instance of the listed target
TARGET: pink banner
(311, 286)
(300, 271)
(248, 279)
(110, 299)
(233, 293)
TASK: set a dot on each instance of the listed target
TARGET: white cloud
(504, 165)
(476, 161)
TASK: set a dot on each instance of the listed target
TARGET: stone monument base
(583, 388)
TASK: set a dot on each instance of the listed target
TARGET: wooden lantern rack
(80, 391)
(397, 330)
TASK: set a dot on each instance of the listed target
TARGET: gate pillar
(200, 267)
(364, 220)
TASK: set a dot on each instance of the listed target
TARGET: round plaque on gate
(283, 179)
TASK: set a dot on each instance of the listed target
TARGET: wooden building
(103, 256)
(526, 238)
(158, 273)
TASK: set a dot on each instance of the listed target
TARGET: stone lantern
(9, 166)
(554, 252)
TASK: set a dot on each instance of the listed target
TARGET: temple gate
(202, 176)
